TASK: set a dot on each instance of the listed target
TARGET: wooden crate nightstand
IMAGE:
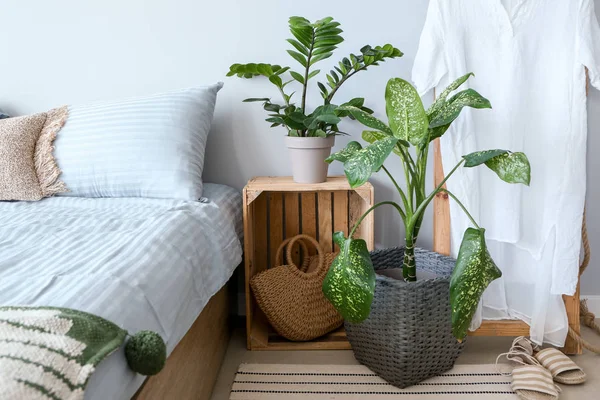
(276, 208)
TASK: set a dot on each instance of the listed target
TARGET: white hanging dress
(528, 57)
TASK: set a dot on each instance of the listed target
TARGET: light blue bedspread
(141, 263)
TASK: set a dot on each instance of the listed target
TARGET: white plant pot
(308, 156)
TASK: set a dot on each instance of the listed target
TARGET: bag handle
(279, 259)
(311, 240)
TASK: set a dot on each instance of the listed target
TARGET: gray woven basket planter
(408, 336)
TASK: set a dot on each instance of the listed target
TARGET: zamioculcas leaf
(359, 167)
(511, 167)
(367, 119)
(480, 157)
(405, 111)
(441, 99)
(473, 272)
(452, 108)
(344, 154)
(350, 282)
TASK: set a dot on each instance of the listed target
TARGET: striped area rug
(349, 382)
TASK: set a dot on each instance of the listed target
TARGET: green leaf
(276, 80)
(320, 133)
(297, 76)
(329, 119)
(511, 167)
(373, 136)
(366, 119)
(441, 99)
(405, 111)
(452, 108)
(275, 120)
(298, 57)
(314, 73)
(298, 46)
(359, 167)
(272, 107)
(473, 272)
(350, 282)
(320, 57)
(345, 154)
(253, 99)
(480, 157)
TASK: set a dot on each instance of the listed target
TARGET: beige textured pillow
(28, 170)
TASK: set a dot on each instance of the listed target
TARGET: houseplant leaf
(452, 108)
(441, 99)
(367, 119)
(344, 154)
(350, 282)
(360, 165)
(405, 111)
(473, 272)
(480, 157)
(511, 167)
(373, 136)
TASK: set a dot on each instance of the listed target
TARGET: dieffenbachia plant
(350, 283)
(313, 42)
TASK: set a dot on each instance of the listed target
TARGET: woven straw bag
(292, 298)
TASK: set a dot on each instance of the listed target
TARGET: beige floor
(478, 350)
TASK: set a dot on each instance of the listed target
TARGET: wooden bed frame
(441, 244)
(192, 368)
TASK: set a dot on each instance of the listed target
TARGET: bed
(142, 263)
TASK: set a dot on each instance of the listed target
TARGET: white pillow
(144, 147)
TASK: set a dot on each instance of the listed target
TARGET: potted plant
(310, 135)
(410, 329)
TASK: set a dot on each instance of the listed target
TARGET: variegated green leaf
(452, 108)
(360, 165)
(480, 157)
(441, 99)
(344, 154)
(366, 119)
(373, 136)
(350, 282)
(473, 272)
(511, 167)
(405, 111)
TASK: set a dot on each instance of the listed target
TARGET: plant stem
(344, 79)
(461, 206)
(409, 264)
(306, 70)
(357, 224)
(400, 191)
(426, 202)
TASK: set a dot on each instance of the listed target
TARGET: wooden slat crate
(276, 208)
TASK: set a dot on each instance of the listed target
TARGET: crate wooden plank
(275, 225)
(340, 213)
(308, 212)
(325, 222)
(259, 325)
(292, 221)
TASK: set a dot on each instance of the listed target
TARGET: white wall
(72, 52)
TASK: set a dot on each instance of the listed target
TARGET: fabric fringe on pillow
(45, 164)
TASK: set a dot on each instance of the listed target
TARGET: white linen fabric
(140, 263)
(529, 58)
(144, 147)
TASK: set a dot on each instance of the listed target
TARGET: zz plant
(350, 283)
(313, 42)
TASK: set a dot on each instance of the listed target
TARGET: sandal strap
(534, 378)
(555, 361)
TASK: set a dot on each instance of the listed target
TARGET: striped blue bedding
(141, 263)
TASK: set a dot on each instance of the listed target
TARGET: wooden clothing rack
(441, 244)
